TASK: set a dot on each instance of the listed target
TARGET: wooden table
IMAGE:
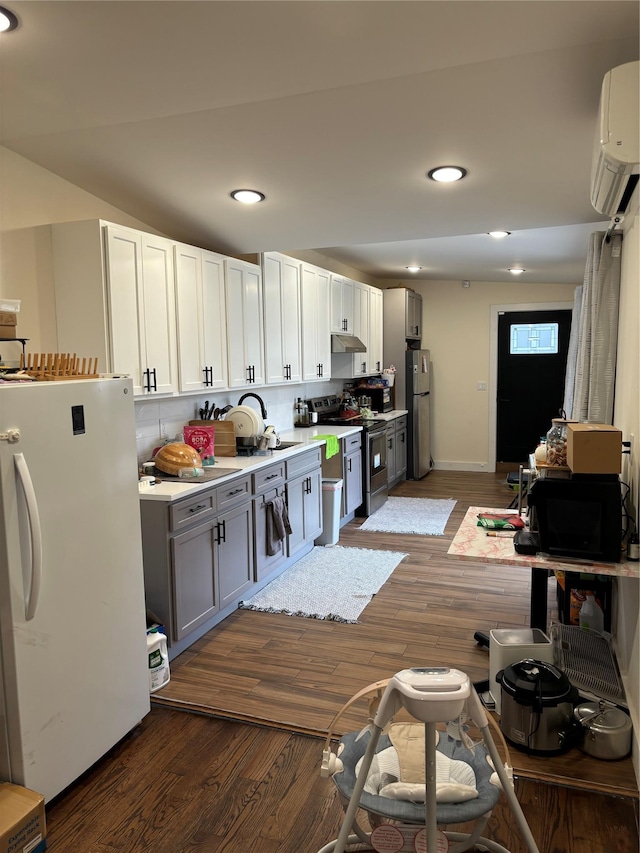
(472, 543)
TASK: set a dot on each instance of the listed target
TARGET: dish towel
(332, 445)
(278, 524)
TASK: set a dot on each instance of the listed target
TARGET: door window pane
(534, 339)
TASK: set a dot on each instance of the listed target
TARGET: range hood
(347, 343)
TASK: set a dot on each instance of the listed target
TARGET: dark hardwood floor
(243, 774)
(189, 783)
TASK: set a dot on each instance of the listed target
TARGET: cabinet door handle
(198, 508)
(234, 492)
(155, 383)
(349, 464)
(146, 380)
(222, 533)
(364, 366)
(390, 444)
(271, 476)
(307, 486)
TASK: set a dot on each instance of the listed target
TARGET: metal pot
(537, 702)
(607, 730)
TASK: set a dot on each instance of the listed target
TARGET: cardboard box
(594, 449)
(22, 820)
(8, 323)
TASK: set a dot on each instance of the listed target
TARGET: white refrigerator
(73, 662)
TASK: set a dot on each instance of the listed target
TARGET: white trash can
(331, 501)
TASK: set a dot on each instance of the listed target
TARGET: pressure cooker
(537, 707)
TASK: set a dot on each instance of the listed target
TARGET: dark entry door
(532, 358)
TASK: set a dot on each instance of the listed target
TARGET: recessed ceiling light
(498, 235)
(8, 20)
(447, 174)
(247, 196)
(414, 269)
(516, 270)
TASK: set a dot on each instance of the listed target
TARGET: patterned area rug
(334, 583)
(424, 516)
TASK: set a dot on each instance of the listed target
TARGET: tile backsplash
(160, 417)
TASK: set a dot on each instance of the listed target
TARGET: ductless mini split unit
(614, 173)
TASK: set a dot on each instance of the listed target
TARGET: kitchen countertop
(172, 490)
(392, 415)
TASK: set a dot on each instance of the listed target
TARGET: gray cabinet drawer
(184, 513)
(352, 442)
(303, 462)
(234, 493)
(401, 422)
(268, 477)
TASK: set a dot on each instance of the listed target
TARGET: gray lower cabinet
(234, 553)
(396, 450)
(195, 585)
(347, 466)
(268, 483)
(304, 500)
(198, 555)
(352, 487)
(205, 554)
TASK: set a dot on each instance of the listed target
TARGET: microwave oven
(381, 398)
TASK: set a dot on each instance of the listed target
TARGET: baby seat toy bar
(410, 777)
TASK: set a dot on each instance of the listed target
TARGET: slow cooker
(537, 707)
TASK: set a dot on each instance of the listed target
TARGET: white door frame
(496, 310)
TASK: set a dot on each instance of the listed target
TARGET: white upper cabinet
(115, 301)
(245, 338)
(282, 318)
(342, 305)
(201, 319)
(367, 326)
(316, 336)
(374, 346)
(361, 328)
(140, 271)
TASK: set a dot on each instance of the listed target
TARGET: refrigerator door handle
(35, 530)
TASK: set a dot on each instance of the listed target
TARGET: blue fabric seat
(406, 812)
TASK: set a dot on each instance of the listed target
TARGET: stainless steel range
(332, 411)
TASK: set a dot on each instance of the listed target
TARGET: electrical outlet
(481, 386)
(164, 428)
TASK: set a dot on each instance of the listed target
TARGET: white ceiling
(335, 110)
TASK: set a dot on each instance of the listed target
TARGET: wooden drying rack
(55, 366)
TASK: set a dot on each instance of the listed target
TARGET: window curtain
(591, 361)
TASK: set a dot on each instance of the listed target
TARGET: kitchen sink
(285, 445)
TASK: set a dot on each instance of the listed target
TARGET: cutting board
(224, 436)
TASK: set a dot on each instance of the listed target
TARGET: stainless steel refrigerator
(418, 404)
(73, 655)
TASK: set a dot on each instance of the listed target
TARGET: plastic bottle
(591, 615)
(158, 656)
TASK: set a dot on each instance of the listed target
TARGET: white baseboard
(447, 465)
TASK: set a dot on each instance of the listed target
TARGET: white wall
(627, 418)
(457, 326)
(30, 199)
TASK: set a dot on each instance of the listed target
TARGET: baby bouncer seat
(411, 778)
